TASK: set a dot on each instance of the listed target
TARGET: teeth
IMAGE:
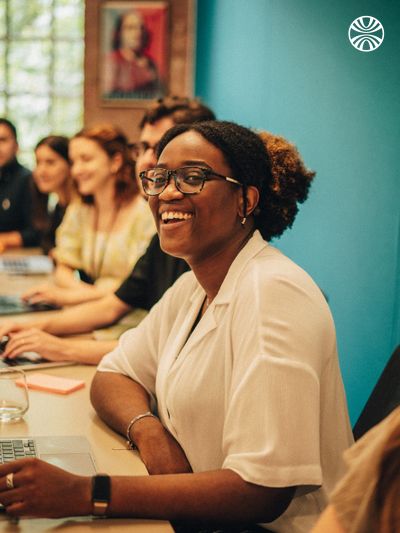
(170, 215)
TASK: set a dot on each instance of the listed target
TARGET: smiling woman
(206, 197)
(231, 384)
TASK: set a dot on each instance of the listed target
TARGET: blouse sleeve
(68, 250)
(138, 352)
(280, 333)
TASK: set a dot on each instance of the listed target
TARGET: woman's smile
(173, 216)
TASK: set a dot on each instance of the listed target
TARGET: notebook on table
(26, 264)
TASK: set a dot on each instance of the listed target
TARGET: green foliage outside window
(41, 68)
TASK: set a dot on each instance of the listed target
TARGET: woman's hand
(158, 449)
(47, 293)
(41, 489)
(61, 296)
(36, 340)
(9, 327)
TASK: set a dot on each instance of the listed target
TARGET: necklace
(97, 266)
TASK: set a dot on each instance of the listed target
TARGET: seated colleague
(105, 232)
(238, 357)
(16, 227)
(367, 499)
(152, 275)
(52, 174)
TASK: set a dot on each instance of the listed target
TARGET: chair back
(384, 398)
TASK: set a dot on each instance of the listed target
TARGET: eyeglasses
(140, 148)
(188, 180)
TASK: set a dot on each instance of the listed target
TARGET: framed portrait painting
(134, 50)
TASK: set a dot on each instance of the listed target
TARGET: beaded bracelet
(130, 442)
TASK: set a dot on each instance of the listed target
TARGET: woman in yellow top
(107, 229)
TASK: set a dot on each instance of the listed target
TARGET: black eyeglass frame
(173, 173)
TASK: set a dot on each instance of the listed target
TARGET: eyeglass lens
(189, 180)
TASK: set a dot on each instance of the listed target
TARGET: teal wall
(287, 66)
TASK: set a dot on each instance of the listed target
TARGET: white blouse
(256, 387)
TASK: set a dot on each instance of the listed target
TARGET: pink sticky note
(45, 382)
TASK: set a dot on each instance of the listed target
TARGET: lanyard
(97, 268)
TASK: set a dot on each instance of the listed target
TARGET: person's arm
(82, 318)
(87, 317)
(85, 351)
(79, 293)
(158, 449)
(71, 237)
(64, 276)
(219, 497)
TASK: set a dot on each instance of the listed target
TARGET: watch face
(101, 493)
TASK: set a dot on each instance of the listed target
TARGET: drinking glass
(14, 399)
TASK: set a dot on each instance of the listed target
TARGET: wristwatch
(101, 494)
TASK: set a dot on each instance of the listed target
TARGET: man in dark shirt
(16, 228)
(152, 275)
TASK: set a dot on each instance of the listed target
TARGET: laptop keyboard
(18, 266)
(35, 264)
(11, 449)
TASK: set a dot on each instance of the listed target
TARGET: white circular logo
(366, 33)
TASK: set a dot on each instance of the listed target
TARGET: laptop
(14, 305)
(26, 264)
(72, 453)
(28, 360)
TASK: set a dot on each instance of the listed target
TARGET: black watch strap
(101, 494)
